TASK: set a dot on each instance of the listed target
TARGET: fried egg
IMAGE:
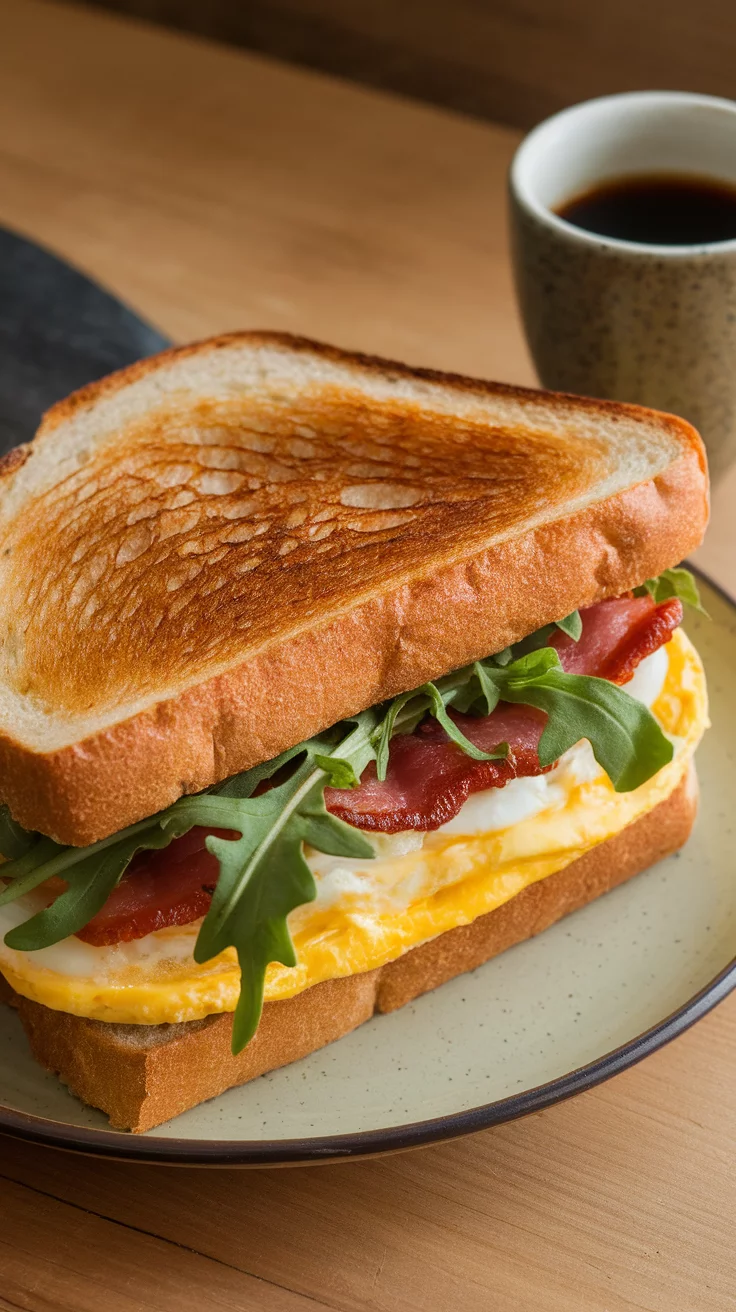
(419, 885)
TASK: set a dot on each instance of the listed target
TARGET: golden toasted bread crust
(143, 1075)
(87, 396)
(281, 569)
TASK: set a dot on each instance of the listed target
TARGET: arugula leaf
(410, 707)
(534, 642)
(488, 687)
(245, 784)
(503, 657)
(387, 728)
(30, 870)
(437, 707)
(481, 693)
(572, 625)
(264, 874)
(626, 739)
(14, 839)
(340, 774)
(673, 583)
(47, 860)
(89, 884)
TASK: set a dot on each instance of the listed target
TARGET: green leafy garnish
(503, 657)
(626, 739)
(572, 625)
(673, 583)
(90, 882)
(264, 875)
(340, 774)
(388, 726)
(263, 871)
(14, 839)
(413, 706)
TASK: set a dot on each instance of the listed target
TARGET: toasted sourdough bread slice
(141, 1075)
(216, 553)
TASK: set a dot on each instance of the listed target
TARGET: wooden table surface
(214, 190)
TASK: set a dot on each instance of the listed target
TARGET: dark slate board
(58, 331)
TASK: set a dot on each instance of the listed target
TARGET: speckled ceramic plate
(547, 1019)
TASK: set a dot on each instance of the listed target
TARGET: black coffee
(659, 209)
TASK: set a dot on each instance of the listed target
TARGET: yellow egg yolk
(378, 910)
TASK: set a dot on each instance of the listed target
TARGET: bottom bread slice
(141, 1075)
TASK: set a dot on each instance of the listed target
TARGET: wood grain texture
(623, 1198)
(216, 190)
(57, 1255)
(269, 197)
(513, 63)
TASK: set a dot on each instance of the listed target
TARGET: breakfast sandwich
(323, 680)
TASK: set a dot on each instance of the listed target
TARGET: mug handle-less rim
(618, 136)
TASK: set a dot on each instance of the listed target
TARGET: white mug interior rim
(619, 136)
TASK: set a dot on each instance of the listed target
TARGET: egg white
(369, 912)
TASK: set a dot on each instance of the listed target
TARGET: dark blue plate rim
(367, 1143)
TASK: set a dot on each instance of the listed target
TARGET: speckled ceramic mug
(612, 318)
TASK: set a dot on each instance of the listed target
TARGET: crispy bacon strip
(428, 778)
(617, 635)
(173, 886)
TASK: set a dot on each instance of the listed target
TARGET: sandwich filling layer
(424, 879)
